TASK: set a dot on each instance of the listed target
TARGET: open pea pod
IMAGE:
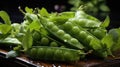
(59, 34)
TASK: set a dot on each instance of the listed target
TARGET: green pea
(55, 29)
(50, 24)
(75, 30)
(32, 52)
(60, 32)
(68, 56)
(53, 44)
(40, 53)
(49, 54)
(67, 26)
(36, 36)
(66, 37)
(83, 34)
(74, 41)
(89, 38)
(81, 22)
(58, 54)
(44, 41)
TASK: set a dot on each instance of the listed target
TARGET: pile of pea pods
(66, 36)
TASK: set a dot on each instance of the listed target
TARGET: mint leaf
(4, 28)
(5, 17)
(43, 12)
(35, 25)
(28, 10)
(27, 40)
(106, 22)
(115, 33)
(108, 41)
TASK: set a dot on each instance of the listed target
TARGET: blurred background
(97, 8)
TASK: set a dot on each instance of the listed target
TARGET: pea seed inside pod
(54, 28)
(89, 38)
(32, 53)
(40, 53)
(44, 41)
(60, 32)
(68, 26)
(49, 54)
(81, 22)
(50, 24)
(82, 34)
(74, 41)
(58, 55)
(53, 44)
(67, 56)
(75, 30)
(66, 37)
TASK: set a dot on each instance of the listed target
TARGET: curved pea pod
(55, 54)
(86, 38)
(60, 35)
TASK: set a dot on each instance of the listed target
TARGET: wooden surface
(109, 62)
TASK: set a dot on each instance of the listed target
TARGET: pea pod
(60, 34)
(55, 54)
(85, 20)
(84, 37)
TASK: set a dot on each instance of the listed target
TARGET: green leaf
(5, 17)
(43, 12)
(35, 25)
(95, 44)
(115, 33)
(27, 40)
(3, 36)
(106, 22)
(11, 41)
(43, 31)
(28, 10)
(116, 46)
(108, 41)
(4, 28)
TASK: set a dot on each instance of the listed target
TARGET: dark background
(11, 6)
